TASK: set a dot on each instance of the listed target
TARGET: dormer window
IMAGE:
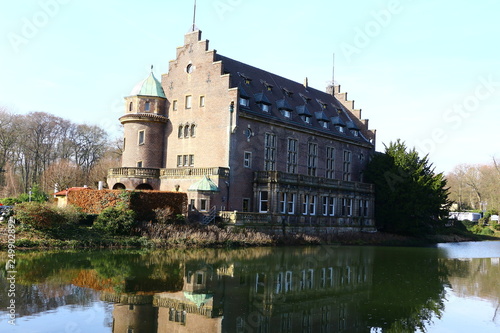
(244, 101)
(324, 124)
(286, 113)
(288, 93)
(246, 79)
(268, 86)
(340, 128)
(265, 107)
(306, 119)
(323, 104)
(305, 98)
(355, 132)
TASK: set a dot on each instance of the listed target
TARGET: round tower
(144, 125)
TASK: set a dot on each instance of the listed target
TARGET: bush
(487, 232)
(116, 220)
(10, 201)
(40, 216)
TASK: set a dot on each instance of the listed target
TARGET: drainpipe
(230, 131)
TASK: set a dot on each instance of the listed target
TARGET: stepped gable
(284, 94)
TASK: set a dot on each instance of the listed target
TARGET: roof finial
(151, 68)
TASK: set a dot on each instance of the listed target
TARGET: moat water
(447, 288)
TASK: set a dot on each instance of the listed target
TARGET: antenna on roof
(194, 16)
(333, 70)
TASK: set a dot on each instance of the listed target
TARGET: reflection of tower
(135, 313)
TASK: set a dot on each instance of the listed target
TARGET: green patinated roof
(204, 185)
(149, 87)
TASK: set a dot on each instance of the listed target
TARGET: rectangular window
(147, 106)
(202, 101)
(347, 207)
(332, 202)
(269, 152)
(188, 101)
(185, 160)
(324, 206)
(179, 161)
(291, 163)
(139, 164)
(191, 160)
(305, 204)
(174, 105)
(292, 197)
(312, 159)
(192, 204)
(244, 101)
(265, 107)
(246, 204)
(347, 166)
(330, 163)
(203, 205)
(312, 205)
(283, 202)
(247, 159)
(141, 137)
(263, 202)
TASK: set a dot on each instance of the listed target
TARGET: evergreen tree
(410, 198)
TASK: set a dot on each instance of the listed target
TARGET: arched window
(186, 131)
(193, 130)
(130, 106)
(181, 129)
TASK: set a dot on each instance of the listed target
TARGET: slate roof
(260, 86)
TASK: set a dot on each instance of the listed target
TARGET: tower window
(141, 137)
(147, 106)
(202, 101)
(188, 102)
(174, 105)
(193, 130)
(139, 164)
(130, 106)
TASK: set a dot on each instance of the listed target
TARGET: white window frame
(292, 198)
(247, 159)
(263, 201)
(141, 137)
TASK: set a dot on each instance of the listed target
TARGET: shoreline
(195, 236)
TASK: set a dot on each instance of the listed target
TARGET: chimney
(306, 83)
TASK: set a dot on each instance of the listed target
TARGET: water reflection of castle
(308, 294)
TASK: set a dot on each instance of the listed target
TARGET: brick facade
(266, 142)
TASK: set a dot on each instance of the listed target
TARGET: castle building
(246, 144)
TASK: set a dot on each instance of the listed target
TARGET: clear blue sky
(427, 72)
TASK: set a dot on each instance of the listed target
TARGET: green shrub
(487, 232)
(116, 220)
(468, 224)
(10, 201)
(40, 216)
(37, 195)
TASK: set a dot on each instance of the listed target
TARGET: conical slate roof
(149, 87)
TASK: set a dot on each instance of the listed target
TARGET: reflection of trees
(407, 291)
(476, 277)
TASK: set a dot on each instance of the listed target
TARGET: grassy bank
(190, 236)
(44, 226)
